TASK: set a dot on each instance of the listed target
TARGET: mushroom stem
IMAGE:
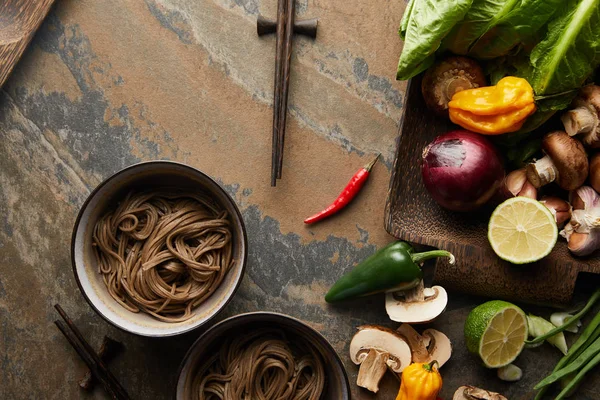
(372, 370)
(579, 120)
(542, 172)
(416, 294)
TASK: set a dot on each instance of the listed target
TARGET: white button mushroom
(583, 119)
(375, 349)
(416, 306)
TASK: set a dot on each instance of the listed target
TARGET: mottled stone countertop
(105, 84)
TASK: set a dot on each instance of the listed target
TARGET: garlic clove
(510, 373)
(559, 208)
(584, 244)
(584, 198)
(516, 184)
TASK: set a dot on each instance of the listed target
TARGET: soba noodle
(163, 253)
(262, 365)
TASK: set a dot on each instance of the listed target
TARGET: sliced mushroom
(583, 119)
(448, 77)
(416, 306)
(566, 162)
(375, 349)
(432, 345)
(473, 393)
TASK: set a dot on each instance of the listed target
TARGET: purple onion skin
(462, 170)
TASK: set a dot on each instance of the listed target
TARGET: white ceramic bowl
(146, 175)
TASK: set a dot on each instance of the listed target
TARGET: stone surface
(106, 84)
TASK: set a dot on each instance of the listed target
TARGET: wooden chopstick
(287, 54)
(89, 356)
(281, 18)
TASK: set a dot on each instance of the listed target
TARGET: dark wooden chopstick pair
(284, 27)
(89, 356)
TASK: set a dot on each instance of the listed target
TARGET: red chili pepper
(349, 192)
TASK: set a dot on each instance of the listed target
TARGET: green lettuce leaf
(482, 15)
(427, 23)
(570, 52)
(405, 18)
(518, 26)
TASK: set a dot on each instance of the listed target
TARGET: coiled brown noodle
(163, 253)
(261, 365)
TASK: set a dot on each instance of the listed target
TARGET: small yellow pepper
(493, 110)
(420, 381)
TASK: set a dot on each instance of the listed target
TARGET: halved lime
(522, 230)
(496, 331)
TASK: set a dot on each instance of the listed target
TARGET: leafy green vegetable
(569, 53)
(405, 18)
(425, 24)
(520, 25)
(482, 15)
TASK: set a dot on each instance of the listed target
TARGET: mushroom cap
(595, 172)
(447, 77)
(384, 340)
(569, 158)
(417, 312)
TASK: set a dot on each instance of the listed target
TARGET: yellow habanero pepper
(493, 110)
(420, 381)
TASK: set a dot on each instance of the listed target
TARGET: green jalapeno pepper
(392, 268)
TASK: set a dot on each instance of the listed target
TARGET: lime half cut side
(522, 230)
(496, 330)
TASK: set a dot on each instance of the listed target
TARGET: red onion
(461, 170)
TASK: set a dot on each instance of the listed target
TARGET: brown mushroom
(583, 230)
(561, 209)
(595, 172)
(565, 162)
(375, 349)
(583, 119)
(473, 393)
(516, 184)
(448, 77)
(431, 345)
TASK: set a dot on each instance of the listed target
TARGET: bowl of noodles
(158, 249)
(262, 355)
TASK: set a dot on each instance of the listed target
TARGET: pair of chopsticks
(285, 30)
(89, 356)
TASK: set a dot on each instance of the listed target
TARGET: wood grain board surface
(413, 215)
(19, 19)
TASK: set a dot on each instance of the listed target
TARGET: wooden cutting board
(19, 19)
(412, 215)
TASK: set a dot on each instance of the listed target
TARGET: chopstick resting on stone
(89, 356)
